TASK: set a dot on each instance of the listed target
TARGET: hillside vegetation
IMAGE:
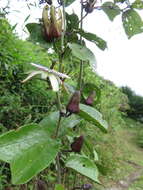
(117, 150)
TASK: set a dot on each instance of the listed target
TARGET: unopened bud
(86, 186)
(76, 146)
(52, 22)
(90, 99)
(41, 185)
(73, 105)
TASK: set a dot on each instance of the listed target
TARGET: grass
(129, 155)
(138, 185)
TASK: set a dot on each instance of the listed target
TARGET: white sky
(121, 63)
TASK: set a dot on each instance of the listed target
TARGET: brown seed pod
(76, 146)
(90, 98)
(73, 105)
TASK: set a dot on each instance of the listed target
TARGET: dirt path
(129, 180)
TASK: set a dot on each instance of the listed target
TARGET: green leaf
(102, 169)
(13, 27)
(54, 82)
(95, 155)
(92, 115)
(66, 123)
(138, 4)
(72, 21)
(83, 53)
(84, 166)
(132, 23)
(71, 121)
(68, 2)
(26, 18)
(29, 150)
(33, 160)
(8, 142)
(36, 34)
(119, 1)
(88, 147)
(50, 120)
(93, 38)
(59, 187)
(111, 10)
(35, 31)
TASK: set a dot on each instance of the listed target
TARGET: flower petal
(54, 82)
(56, 73)
(31, 75)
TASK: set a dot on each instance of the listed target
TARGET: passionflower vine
(54, 76)
(52, 22)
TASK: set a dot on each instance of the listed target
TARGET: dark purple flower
(42, 2)
(41, 185)
(86, 186)
(76, 146)
(90, 99)
(73, 105)
(49, 2)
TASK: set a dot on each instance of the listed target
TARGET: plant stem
(64, 26)
(58, 126)
(56, 136)
(59, 102)
(59, 176)
(81, 62)
(62, 38)
(80, 76)
(60, 67)
(60, 110)
(74, 182)
(83, 17)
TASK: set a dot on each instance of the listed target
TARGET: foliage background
(30, 102)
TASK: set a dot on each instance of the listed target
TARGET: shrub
(136, 104)
(140, 138)
(20, 103)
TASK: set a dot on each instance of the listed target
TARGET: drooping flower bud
(86, 186)
(53, 22)
(89, 6)
(90, 99)
(73, 105)
(76, 146)
(45, 1)
(60, 2)
(41, 185)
